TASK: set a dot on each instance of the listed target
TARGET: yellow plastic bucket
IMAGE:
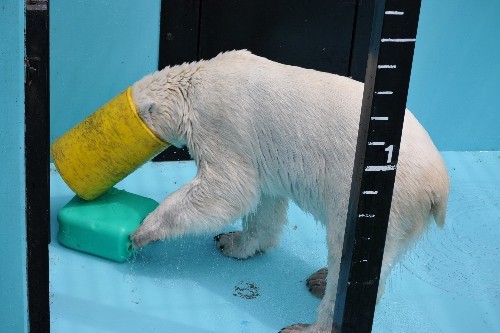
(105, 148)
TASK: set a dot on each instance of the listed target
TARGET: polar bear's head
(160, 99)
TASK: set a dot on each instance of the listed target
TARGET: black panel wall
(331, 36)
(313, 34)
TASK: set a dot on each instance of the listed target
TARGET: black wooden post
(386, 87)
(37, 163)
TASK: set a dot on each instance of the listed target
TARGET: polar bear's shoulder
(234, 55)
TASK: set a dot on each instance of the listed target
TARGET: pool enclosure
(61, 60)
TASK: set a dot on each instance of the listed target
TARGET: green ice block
(102, 226)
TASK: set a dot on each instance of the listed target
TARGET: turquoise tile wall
(98, 48)
(454, 89)
(13, 308)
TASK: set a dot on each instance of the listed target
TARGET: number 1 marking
(389, 150)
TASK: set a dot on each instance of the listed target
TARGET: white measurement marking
(388, 92)
(379, 118)
(367, 215)
(398, 40)
(380, 168)
(376, 143)
(393, 12)
(370, 192)
(386, 66)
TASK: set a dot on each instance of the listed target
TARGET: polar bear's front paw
(141, 238)
(306, 328)
(149, 231)
(236, 245)
(294, 328)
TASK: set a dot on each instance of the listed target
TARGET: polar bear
(263, 133)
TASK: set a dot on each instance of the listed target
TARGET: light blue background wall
(98, 48)
(455, 89)
(13, 309)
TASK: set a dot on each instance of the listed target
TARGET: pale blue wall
(13, 309)
(98, 48)
(455, 89)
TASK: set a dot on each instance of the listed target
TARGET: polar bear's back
(292, 102)
(300, 127)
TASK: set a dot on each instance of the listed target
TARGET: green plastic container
(103, 226)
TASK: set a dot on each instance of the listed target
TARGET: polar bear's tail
(438, 210)
(440, 199)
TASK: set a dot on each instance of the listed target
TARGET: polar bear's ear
(145, 105)
(149, 106)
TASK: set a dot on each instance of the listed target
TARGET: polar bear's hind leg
(261, 229)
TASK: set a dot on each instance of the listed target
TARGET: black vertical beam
(381, 123)
(37, 163)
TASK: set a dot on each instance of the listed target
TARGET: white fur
(261, 133)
